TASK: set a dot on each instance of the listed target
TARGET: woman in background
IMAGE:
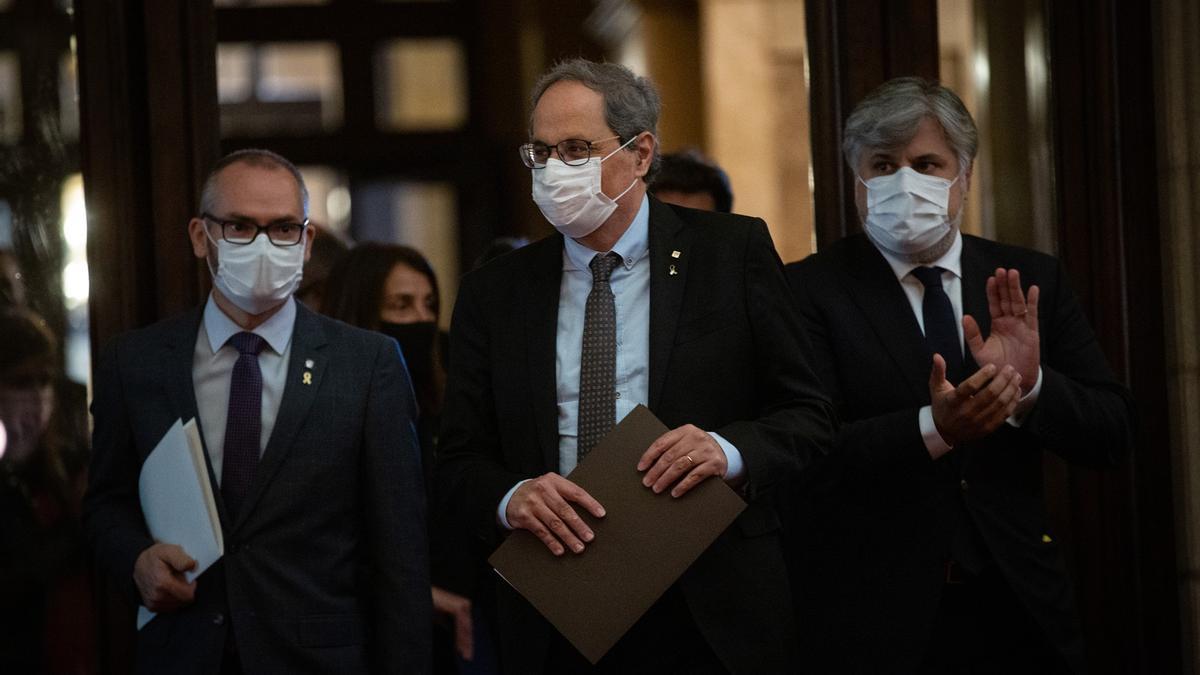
(48, 622)
(393, 290)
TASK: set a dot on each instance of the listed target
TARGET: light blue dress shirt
(212, 373)
(630, 283)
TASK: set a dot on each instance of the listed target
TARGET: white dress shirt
(212, 373)
(914, 290)
(630, 283)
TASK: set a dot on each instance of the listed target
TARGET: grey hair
(631, 103)
(889, 116)
(253, 157)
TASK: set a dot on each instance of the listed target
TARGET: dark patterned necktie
(941, 328)
(243, 423)
(598, 361)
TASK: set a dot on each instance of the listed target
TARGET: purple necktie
(243, 423)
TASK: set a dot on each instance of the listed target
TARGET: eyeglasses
(241, 232)
(572, 152)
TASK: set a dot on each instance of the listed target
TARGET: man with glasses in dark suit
(632, 302)
(307, 425)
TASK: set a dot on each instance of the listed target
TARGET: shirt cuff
(934, 443)
(504, 504)
(735, 468)
(1026, 403)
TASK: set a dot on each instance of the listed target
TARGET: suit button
(218, 619)
(963, 484)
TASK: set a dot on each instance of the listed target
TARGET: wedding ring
(689, 459)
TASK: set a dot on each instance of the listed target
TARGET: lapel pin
(1046, 539)
(675, 254)
(308, 363)
(307, 377)
(673, 271)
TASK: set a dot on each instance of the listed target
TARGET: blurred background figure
(393, 289)
(327, 250)
(688, 178)
(12, 285)
(48, 621)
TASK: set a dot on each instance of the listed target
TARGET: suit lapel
(299, 391)
(177, 363)
(541, 342)
(878, 294)
(668, 279)
(975, 271)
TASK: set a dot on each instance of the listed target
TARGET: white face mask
(571, 198)
(257, 276)
(908, 212)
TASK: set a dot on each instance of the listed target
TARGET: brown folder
(644, 543)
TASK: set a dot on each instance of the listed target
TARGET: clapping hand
(1014, 335)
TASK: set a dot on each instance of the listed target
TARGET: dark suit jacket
(727, 354)
(325, 567)
(881, 514)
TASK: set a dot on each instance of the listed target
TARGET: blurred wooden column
(855, 46)
(671, 43)
(149, 132)
(1177, 22)
(757, 113)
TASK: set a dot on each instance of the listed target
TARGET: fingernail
(657, 490)
(601, 514)
(578, 548)
(588, 536)
(646, 481)
(558, 550)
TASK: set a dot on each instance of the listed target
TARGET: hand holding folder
(644, 544)
(177, 501)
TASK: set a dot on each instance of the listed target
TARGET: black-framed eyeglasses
(572, 152)
(242, 232)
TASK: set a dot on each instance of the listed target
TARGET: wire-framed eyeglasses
(572, 152)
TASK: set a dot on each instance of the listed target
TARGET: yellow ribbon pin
(307, 377)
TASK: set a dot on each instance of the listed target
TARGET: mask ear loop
(635, 180)
(957, 219)
(216, 247)
(632, 139)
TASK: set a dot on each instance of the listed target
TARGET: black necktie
(243, 423)
(941, 328)
(598, 360)
(941, 334)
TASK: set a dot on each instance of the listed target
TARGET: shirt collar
(632, 246)
(951, 260)
(277, 330)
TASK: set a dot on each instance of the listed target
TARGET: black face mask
(416, 343)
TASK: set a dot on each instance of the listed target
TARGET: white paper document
(177, 500)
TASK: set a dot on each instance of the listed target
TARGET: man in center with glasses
(307, 425)
(631, 302)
